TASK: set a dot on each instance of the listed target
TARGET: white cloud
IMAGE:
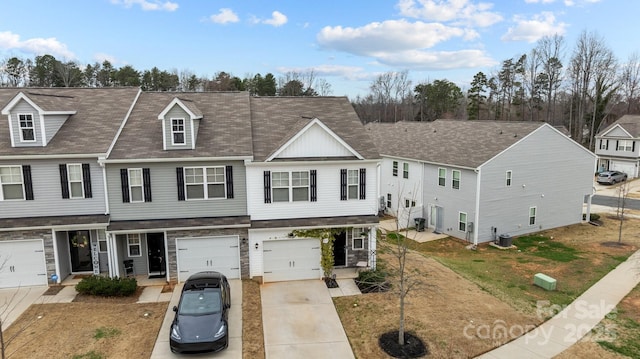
(580, 2)
(389, 36)
(277, 19)
(347, 72)
(539, 1)
(102, 57)
(148, 5)
(530, 30)
(35, 46)
(225, 16)
(437, 60)
(456, 11)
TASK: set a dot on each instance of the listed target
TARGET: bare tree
(629, 80)
(550, 50)
(623, 193)
(590, 58)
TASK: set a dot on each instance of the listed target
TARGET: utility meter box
(544, 281)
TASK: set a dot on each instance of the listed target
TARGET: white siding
(328, 187)
(402, 188)
(315, 142)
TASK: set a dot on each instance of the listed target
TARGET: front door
(80, 251)
(156, 259)
(340, 250)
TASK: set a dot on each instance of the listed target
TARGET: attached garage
(623, 166)
(220, 254)
(294, 259)
(22, 263)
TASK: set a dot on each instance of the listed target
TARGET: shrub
(107, 287)
(592, 216)
(369, 281)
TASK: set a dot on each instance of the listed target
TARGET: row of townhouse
(479, 180)
(111, 180)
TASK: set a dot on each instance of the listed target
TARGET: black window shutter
(617, 144)
(228, 171)
(343, 184)
(86, 179)
(633, 146)
(180, 179)
(64, 181)
(124, 183)
(146, 183)
(363, 183)
(267, 186)
(28, 185)
(313, 185)
(607, 146)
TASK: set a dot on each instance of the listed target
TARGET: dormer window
(27, 130)
(177, 131)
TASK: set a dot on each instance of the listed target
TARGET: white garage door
(292, 260)
(626, 167)
(22, 264)
(220, 254)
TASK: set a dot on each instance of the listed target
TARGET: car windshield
(200, 302)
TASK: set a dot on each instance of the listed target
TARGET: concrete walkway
(300, 321)
(576, 320)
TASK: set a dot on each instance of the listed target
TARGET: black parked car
(201, 320)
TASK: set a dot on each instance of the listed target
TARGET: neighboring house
(477, 180)
(618, 146)
(313, 167)
(120, 181)
(53, 211)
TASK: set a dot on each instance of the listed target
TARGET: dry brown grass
(68, 329)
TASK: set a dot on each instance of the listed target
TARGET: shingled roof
(99, 113)
(449, 142)
(276, 119)
(224, 130)
(630, 123)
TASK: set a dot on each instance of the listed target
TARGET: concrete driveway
(161, 349)
(300, 321)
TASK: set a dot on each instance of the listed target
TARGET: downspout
(56, 257)
(114, 271)
(104, 185)
(476, 218)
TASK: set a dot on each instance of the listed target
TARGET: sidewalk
(576, 320)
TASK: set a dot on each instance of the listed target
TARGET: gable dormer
(314, 140)
(180, 123)
(35, 118)
(617, 131)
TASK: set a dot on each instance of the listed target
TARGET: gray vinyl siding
(140, 265)
(23, 107)
(47, 192)
(52, 124)
(164, 192)
(549, 172)
(178, 112)
(451, 200)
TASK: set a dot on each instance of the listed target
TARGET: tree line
(47, 71)
(583, 89)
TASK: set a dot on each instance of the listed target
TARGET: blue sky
(346, 42)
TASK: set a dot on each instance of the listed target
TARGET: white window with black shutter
(135, 184)
(295, 186)
(16, 183)
(198, 183)
(353, 184)
(75, 180)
